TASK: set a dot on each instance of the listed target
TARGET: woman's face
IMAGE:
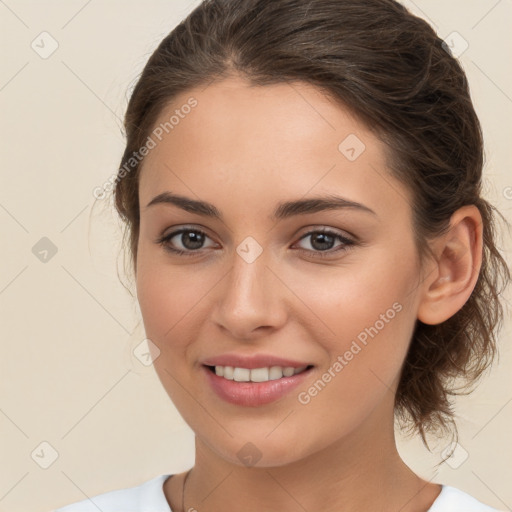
(254, 282)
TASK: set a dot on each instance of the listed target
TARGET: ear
(453, 276)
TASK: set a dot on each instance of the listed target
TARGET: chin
(258, 451)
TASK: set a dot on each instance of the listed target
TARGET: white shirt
(149, 497)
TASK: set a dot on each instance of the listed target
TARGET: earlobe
(453, 276)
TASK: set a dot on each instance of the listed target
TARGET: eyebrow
(283, 210)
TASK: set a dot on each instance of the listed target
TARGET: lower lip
(253, 394)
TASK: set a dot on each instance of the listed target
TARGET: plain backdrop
(80, 413)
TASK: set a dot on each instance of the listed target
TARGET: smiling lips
(253, 380)
(256, 374)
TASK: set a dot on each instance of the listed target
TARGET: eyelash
(347, 243)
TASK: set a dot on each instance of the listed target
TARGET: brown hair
(390, 68)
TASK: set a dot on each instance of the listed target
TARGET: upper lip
(254, 361)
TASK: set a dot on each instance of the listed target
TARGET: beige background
(68, 373)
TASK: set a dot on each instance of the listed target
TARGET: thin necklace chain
(183, 492)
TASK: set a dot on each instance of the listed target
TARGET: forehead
(255, 142)
(234, 111)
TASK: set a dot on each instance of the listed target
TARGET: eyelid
(174, 230)
(322, 228)
(348, 241)
(178, 230)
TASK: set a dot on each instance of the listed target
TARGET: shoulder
(145, 497)
(452, 499)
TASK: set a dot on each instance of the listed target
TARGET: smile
(256, 374)
(254, 387)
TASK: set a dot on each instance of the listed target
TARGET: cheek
(364, 364)
(156, 304)
(368, 314)
(168, 297)
(356, 296)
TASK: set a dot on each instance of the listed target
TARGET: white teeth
(288, 371)
(275, 372)
(228, 372)
(257, 374)
(242, 375)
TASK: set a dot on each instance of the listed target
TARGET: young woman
(313, 258)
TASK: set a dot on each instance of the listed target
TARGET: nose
(249, 300)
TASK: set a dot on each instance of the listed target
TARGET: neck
(358, 472)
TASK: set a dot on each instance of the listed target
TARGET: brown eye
(322, 242)
(191, 240)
